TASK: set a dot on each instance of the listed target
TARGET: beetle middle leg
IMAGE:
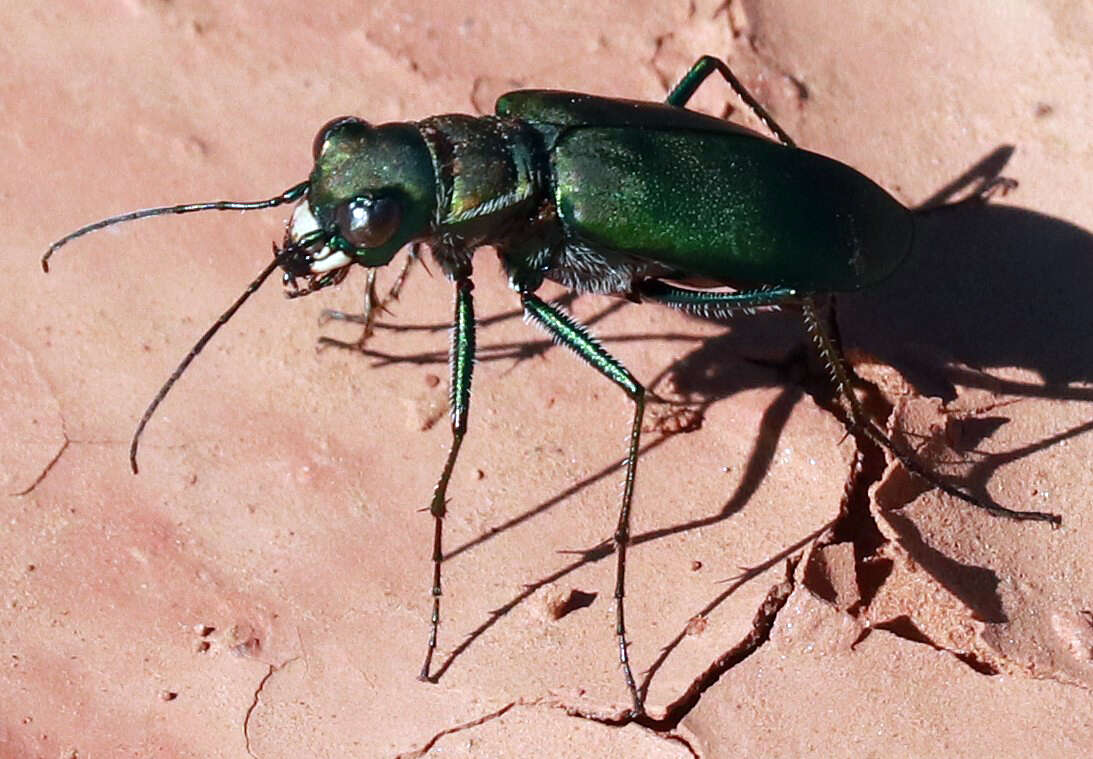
(373, 305)
(572, 334)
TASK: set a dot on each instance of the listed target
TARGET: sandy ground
(262, 585)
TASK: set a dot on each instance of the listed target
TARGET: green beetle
(645, 200)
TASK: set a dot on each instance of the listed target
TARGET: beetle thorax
(486, 169)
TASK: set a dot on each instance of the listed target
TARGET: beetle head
(372, 190)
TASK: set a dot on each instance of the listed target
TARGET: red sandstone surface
(262, 585)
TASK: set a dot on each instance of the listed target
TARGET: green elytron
(645, 200)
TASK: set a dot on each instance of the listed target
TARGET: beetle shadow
(986, 286)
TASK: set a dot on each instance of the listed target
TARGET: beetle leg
(572, 334)
(712, 305)
(373, 304)
(701, 70)
(719, 305)
(840, 374)
(371, 297)
(462, 364)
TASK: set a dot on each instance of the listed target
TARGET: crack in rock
(273, 668)
(417, 754)
(761, 626)
(665, 727)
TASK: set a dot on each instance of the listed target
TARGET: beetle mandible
(646, 200)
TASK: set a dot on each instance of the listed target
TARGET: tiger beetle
(649, 201)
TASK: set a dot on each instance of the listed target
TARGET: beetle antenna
(224, 317)
(288, 196)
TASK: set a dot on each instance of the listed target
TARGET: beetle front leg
(461, 365)
(373, 305)
(575, 336)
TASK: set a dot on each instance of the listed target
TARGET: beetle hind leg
(720, 305)
(832, 356)
(701, 71)
(713, 305)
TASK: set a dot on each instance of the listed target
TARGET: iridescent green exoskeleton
(645, 200)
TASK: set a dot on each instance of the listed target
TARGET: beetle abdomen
(733, 208)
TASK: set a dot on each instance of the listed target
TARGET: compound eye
(329, 128)
(369, 222)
